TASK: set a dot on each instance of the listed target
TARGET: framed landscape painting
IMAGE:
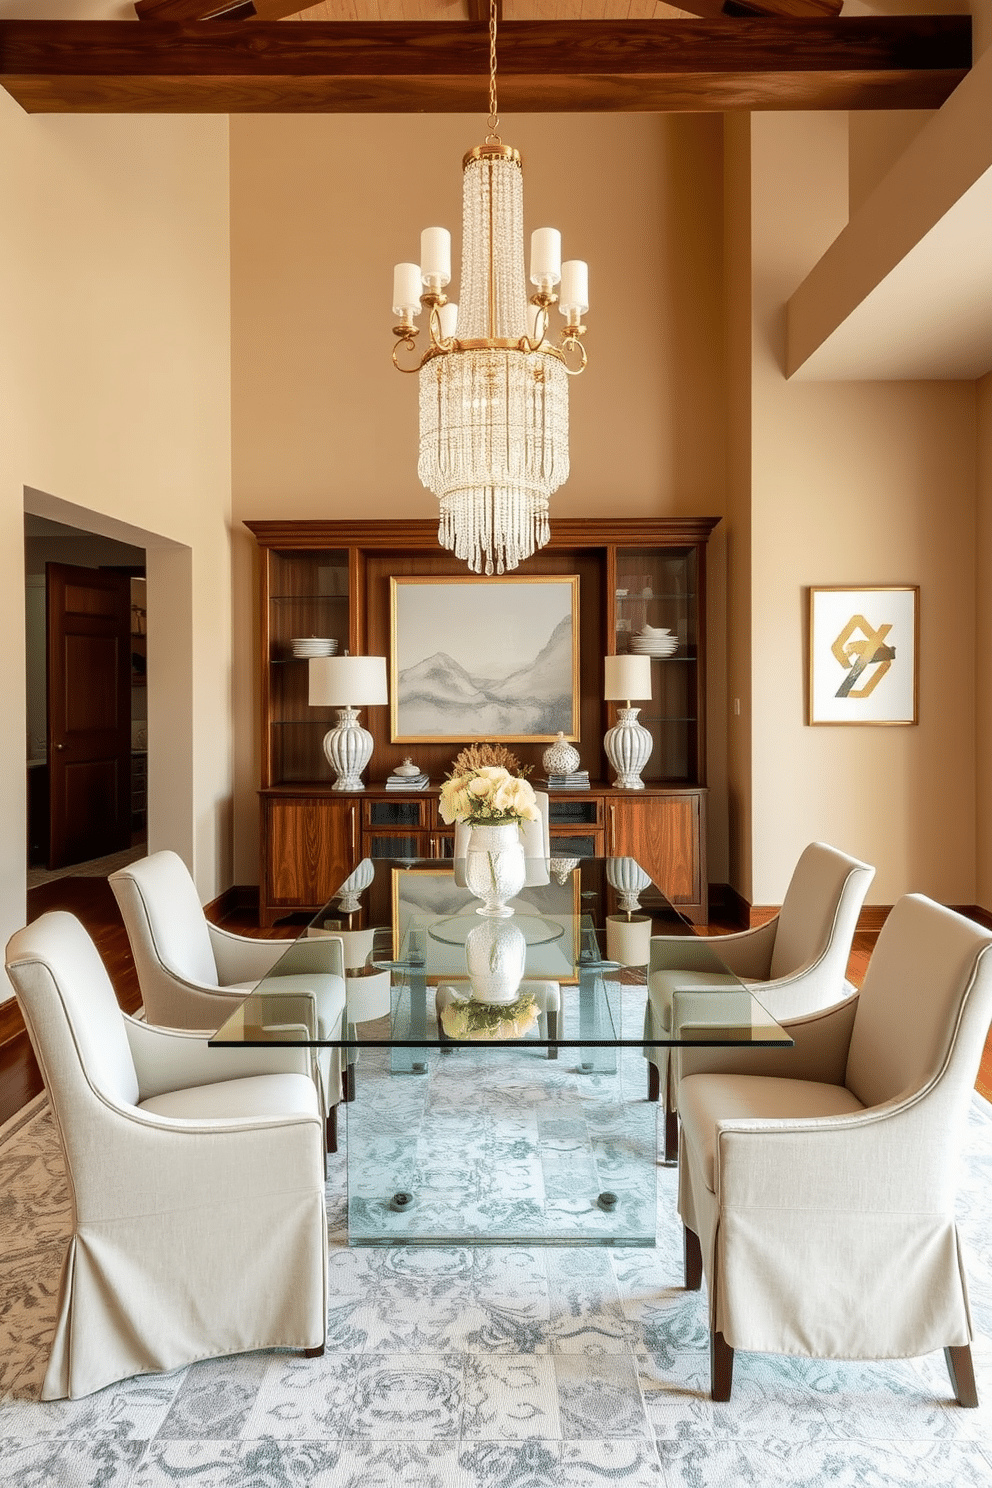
(863, 654)
(484, 659)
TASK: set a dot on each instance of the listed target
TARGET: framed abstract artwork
(475, 658)
(863, 663)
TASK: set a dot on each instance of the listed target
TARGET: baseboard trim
(727, 906)
(237, 897)
(975, 912)
(11, 1022)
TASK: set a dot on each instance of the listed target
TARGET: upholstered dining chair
(196, 1179)
(798, 959)
(817, 1184)
(193, 974)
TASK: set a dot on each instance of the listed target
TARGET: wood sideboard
(312, 838)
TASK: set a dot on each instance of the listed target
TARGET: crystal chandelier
(493, 386)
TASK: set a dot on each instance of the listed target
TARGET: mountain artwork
(484, 659)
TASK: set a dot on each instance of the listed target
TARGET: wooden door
(89, 712)
(309, 846)
(665, 834)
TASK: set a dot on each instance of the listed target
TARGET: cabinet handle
(354, 833)
(613, 830)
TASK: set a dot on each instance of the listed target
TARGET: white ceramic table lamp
(348, 683)
(628, 743)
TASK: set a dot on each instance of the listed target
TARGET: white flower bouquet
(486, 796)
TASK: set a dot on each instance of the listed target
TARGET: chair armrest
(819, 1051)
(879, 1160)
(747, 953)
(243, 958)
(177, 1059)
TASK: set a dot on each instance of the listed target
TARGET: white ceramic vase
(494, 866)
(495, 953)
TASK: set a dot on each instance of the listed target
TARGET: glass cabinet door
(307, 600)
(656, 613)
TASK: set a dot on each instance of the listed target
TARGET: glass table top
(495, 1074)
(417, 952)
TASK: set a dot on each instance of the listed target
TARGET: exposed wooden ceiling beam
(476, 10)
(580, 66)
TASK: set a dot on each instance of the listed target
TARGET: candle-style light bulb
(407, 285)
(574, 292)
(435, 257)
(545, 257)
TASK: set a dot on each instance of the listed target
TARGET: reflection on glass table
(497, 1065)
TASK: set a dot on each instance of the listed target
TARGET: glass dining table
(495, 1072)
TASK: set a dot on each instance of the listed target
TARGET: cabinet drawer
(402, 813)
(586, 811)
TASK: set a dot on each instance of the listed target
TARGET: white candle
(448, 316)
(574, 292)
(435, 254)
(545, 255)
(406, 288)
(533, 311)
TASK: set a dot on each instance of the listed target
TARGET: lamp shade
(626, 677)
(347, 681)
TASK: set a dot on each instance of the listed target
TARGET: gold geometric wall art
(863, 644)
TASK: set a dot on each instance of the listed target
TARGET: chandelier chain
(492, 138)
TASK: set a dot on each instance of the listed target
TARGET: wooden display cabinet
(332, 579)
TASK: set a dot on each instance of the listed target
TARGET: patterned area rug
(481, 1367)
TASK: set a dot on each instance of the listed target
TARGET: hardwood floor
(92, 900)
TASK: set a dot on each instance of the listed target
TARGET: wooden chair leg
(348, 1083)
(962, 1373)
(314, 1353)
(332, 1129)
(671, 1137)
(693, 1259)
(721, 1367)
(654, 1081)
(552, 1033)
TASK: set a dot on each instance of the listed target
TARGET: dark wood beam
(184, 11)
(798, 9)
(862, 62)
(478, 10)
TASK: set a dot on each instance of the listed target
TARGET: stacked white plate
(654, 642)
(308, 646)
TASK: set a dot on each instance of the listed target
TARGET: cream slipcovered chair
(193, 974)
(817, 1184)
(196, 1178)
(799, 959)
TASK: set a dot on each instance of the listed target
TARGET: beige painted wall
(114, 410)
(983, 650)
(322, 207)
(853, 483)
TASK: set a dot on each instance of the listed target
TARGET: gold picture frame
(864, 654)
(464, 649)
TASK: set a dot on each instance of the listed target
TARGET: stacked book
(407, 782)
(573, 780)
